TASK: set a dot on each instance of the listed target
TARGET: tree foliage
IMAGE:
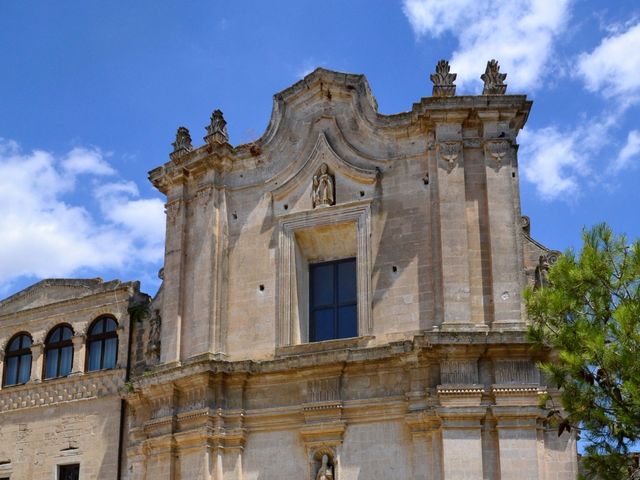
(588, 315)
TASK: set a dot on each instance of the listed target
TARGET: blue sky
(92, 93)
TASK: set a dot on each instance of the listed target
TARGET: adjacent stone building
(341, 299)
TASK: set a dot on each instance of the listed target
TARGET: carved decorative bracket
(449, 154)
(498, 152)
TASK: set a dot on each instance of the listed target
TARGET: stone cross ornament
(443, 80)
(217, 129)
(493, 79)
(323, 190)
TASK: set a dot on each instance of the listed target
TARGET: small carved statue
(542, 272)
(326, 471)
(493, 79)
(217, 129)
(155, 325)
(443, 80)
(322, 193)
(183, 141)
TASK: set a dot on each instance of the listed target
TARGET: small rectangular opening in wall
(69, 472)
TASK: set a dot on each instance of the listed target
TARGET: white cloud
(559, 161)
(630, 150)
(86, 161)
(45, 234)
(613, 67)
(519, 34)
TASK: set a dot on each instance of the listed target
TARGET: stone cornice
(472, 343)
(114, 286)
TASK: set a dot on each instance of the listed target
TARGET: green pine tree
(588, 315)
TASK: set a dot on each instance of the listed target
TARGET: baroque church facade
(340, 300)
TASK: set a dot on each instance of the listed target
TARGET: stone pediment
(54, 290)
(350, 183)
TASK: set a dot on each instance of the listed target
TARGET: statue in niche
(542, 272)
(322, 193)
(155, 325)
(326, 469)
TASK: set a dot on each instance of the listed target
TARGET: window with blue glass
(17, 360)
(102, 343)
(333, 300)
(58, 352)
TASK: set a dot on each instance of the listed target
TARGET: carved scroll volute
(449, 154)
(497, 153)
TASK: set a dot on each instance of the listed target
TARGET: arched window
(58, 352)
(103, 344)
(17, 360)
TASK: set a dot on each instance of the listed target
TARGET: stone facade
(439, 382)
(74, 419)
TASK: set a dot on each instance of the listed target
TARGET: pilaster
(518, 442)
(452, 220)
(462, 442)
(79, 354)
(172, 308)
(504, 218)
(37, 359)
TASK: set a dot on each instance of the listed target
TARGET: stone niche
(324, 213)
(330, 233)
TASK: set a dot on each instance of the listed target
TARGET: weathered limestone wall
(36, 440)
(439, 382)
(73, 419)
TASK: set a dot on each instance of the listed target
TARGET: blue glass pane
(110, 349)
(322, 284)
(347, 322)
(14, 345)
(24, 372)
(97, 327)
(322, 325)
(67, 333)
(52, 364)
(11, 371)
(26, 341)
(95, 350)
(110, 325)
(66, 361)
(55, 335)
(347, 281)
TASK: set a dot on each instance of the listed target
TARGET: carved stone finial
(493, 79)
(217, 129)
(443, 80)
(323, 188)
(182, 144)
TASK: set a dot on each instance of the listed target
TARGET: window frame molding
(101, 337)
(19, 353)
(288, 296)
(58, 346)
